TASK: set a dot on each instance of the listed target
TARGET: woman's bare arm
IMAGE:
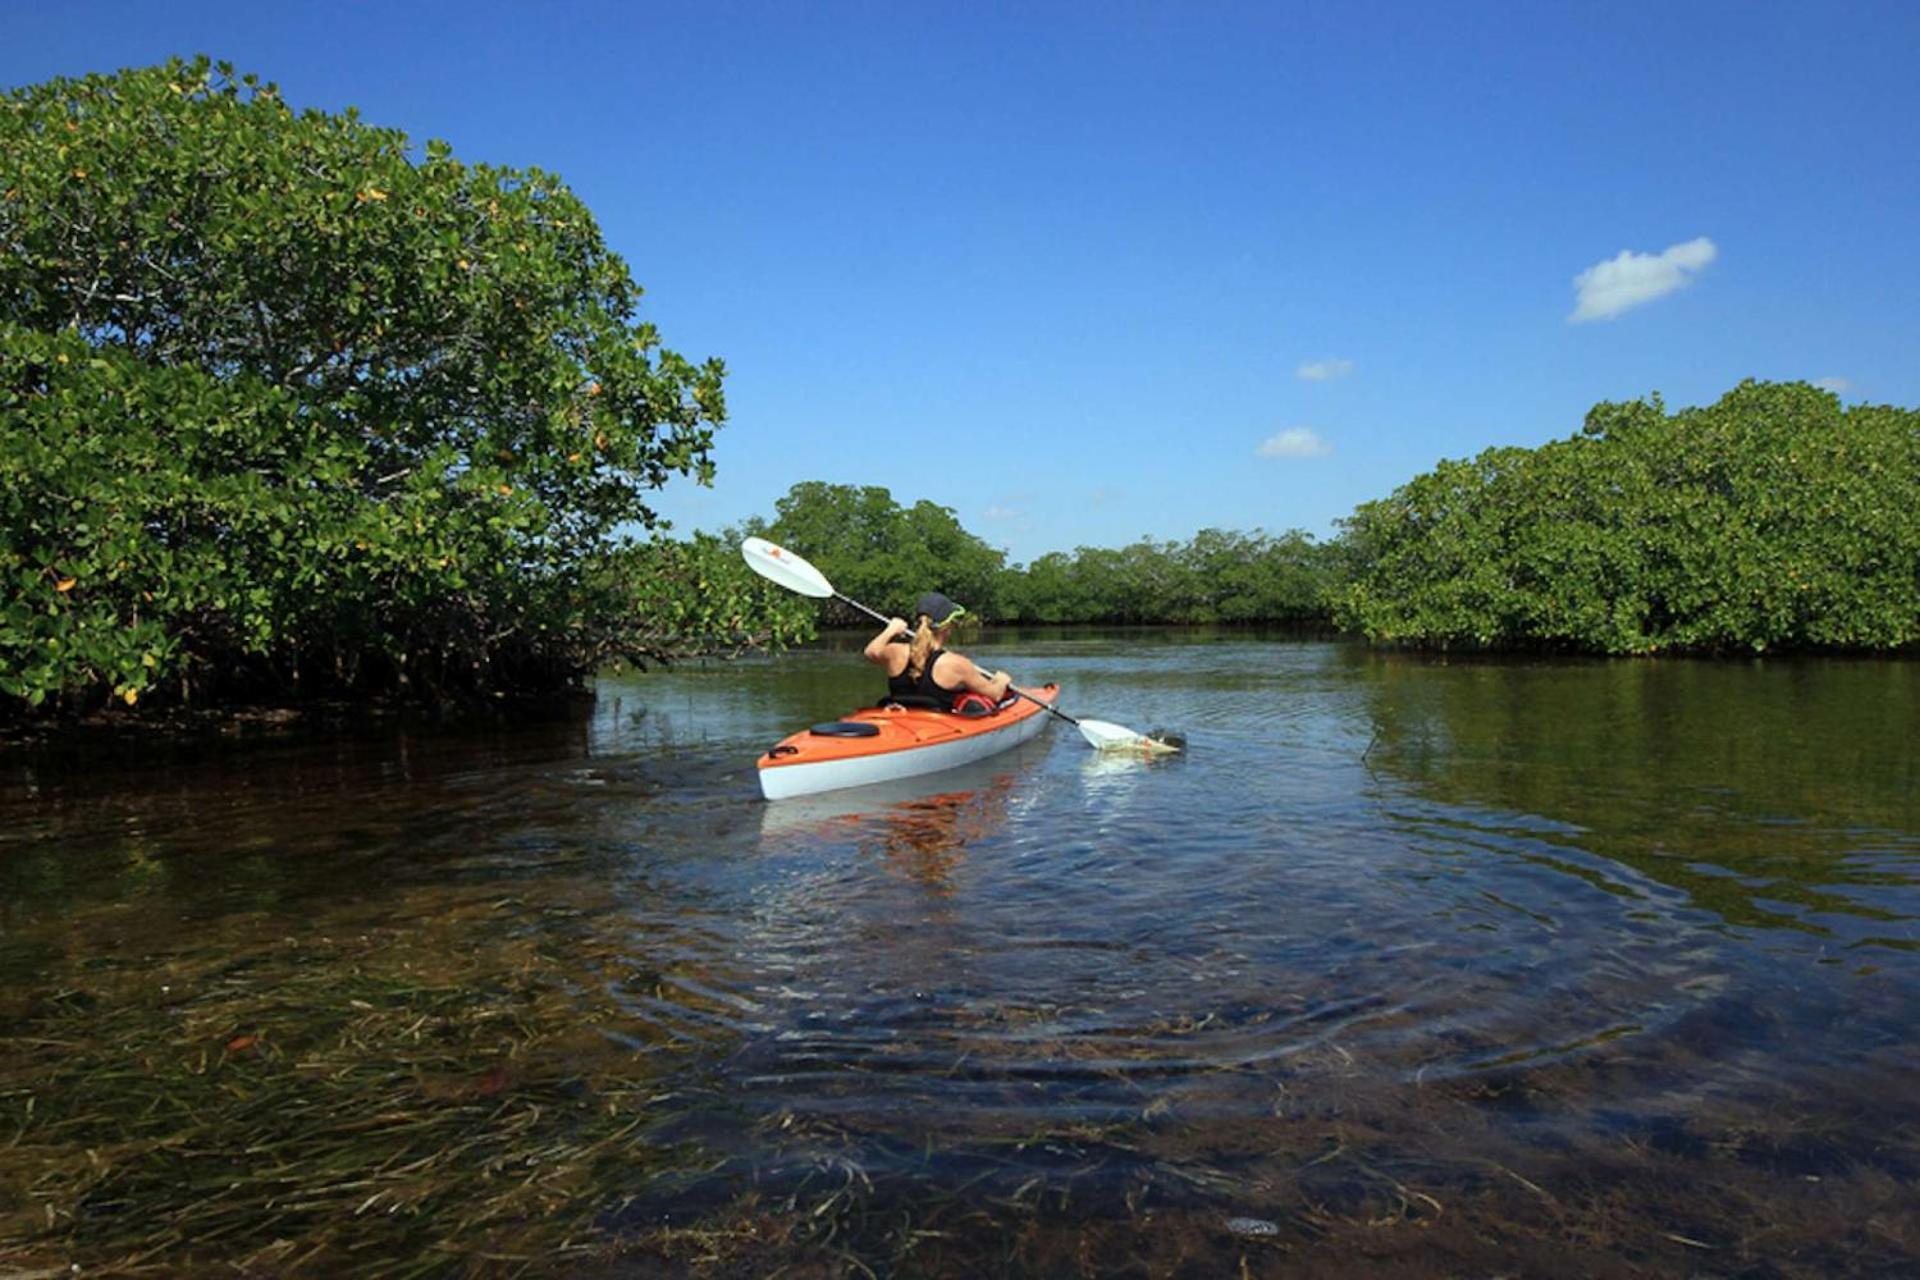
(972, 677)
(880, 649)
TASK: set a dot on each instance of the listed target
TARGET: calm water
(1406, 968)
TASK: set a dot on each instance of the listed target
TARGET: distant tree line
(884, 554)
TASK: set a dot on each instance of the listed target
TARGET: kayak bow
(879, 744)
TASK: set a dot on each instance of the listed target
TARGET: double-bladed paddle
(777, 564)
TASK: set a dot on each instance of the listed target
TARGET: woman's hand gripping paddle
(777, 564)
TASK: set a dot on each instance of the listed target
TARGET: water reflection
(917, 828)
(1776, 796)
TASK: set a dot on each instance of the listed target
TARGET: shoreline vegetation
(294, 413)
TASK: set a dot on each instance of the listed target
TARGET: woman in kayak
(925, 669)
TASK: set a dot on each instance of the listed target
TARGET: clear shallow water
(1408, 967)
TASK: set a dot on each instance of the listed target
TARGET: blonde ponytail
(921, 646)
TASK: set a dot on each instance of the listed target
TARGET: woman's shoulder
(942, 654)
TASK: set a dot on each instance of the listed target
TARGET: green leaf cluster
(677, 598)
(290, 406)
(1772, 519)
(1217, 576)
(883, 554)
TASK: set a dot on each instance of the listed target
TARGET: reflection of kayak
(835, 814)
(879, 744)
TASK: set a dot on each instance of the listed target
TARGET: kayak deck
(879, 744)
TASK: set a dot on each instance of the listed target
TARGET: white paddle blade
(780, 565)
(1115, 737)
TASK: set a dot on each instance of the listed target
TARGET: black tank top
(908, 685)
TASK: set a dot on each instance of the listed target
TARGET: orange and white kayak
(879, 744)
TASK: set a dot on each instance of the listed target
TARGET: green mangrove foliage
(288, 407)
(880, 553)
(673, 598)
(884, 554)
(1771, 519)
(1218, 576)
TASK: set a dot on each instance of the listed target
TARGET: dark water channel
(1408, 968)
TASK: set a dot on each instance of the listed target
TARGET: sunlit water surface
(1406, 967)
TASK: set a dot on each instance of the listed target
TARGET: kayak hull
(902, 743)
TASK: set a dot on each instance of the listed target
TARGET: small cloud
(1294, 442)
(1839, 386)
(1324, 370)
(997, 512)
(1622, 283)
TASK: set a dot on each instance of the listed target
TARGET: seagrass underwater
(1408, 967)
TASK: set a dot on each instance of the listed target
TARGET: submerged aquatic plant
(388, 1102)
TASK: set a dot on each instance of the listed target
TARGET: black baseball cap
(939, 610)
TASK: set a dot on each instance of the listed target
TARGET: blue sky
(1070, 269)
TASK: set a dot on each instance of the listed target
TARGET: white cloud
(1324, 370)
(997, 512)
(1839, 386)
(1294, 442)
(1606, 289)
